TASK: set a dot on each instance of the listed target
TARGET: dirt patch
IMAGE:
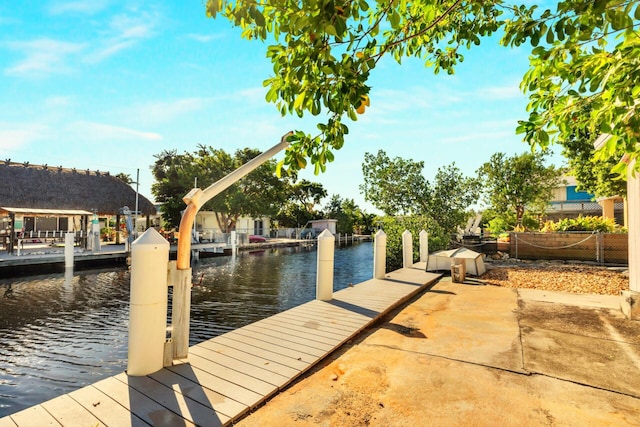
(581, 279)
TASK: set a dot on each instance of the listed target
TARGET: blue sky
(108, 84)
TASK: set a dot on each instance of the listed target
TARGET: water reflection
(62, 331)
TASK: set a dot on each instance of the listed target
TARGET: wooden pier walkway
(229, 375)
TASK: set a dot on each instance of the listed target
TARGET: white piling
(324, 275)
(148, 303)
(234, 242)
(68, 250)
(380, 255)
(407, 249)
(424, 246)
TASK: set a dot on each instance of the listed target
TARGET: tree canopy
(518, 183)
(300, 206)
(584, 53)
(257, 194)
(398, 187)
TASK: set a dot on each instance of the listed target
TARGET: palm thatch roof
(44, 187)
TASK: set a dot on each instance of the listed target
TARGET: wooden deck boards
(228, 375)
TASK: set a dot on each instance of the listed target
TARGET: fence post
(324, 276)
(380, 255)
(407, 249)
(424, 246)
(148, 303)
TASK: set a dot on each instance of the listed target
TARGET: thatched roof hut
(56, 188)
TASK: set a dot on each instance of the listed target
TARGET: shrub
(583, 223)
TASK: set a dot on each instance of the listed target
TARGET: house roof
(24, 186)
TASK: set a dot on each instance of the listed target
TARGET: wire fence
(601, 248)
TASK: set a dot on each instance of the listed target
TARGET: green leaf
(330, 29)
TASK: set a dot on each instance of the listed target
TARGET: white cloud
(162, 112)
(58, 102)
(101, 131)
(123, 32)
(500, 92)
(43, 56)
(84, 7)
(16, 135)
(204, 38)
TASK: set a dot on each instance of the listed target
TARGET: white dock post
(407, 249)
(380, 255)
(148, 303)
(324, 275)
(68, 250)
(424, 246)
(234, 242)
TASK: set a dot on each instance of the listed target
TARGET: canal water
(63, 331)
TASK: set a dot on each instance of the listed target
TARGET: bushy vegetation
(583, 223)
(395, 226)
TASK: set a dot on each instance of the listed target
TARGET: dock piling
(380, 255)
(148, 303)
(324, 277)
(407, 249)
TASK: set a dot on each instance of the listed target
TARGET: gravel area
(576, 278)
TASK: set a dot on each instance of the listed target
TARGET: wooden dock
(229, 375)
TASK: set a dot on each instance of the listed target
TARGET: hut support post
(407, 249)
(380, 255)
(324, 276)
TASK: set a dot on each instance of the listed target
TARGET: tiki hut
(57, 195)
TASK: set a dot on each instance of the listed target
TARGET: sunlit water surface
(63, 331)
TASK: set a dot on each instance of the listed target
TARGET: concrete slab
(460, 321)
(584, 300)
(592, 346)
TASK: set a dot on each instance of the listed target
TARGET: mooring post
(380, 255)
(324, 275)
(68, 250)
(424, 246)
(407, 249)
(148, 303)
(234, 242)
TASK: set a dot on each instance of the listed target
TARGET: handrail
(196, 198)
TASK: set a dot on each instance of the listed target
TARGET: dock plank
(68, 412)
(224, 406)
(7, 422)
(241, 366)
(279, 347)
(256, 360)
(243, 380)
(307, 340)
(313, 335)
(103, 407)
(292, 362)
(34, 416)
(172, 399)
(219, 385)
(140, 405)
(228, 375)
